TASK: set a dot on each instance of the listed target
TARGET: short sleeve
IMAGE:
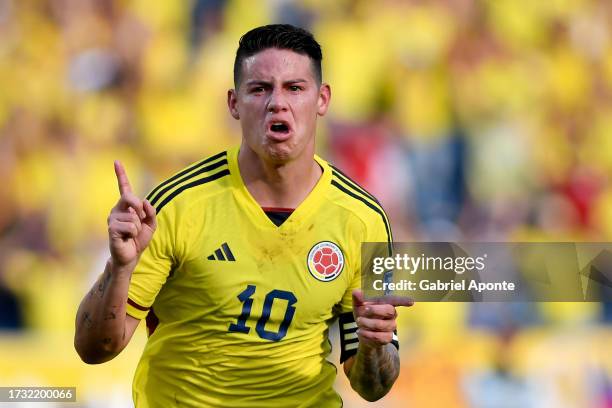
(154, 266)
(376, 230)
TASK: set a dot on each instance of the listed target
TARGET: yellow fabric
(195, 357)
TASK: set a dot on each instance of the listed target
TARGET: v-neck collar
(257, 214)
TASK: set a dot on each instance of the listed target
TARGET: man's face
(277, 101)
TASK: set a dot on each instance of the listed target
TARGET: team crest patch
(325, 261)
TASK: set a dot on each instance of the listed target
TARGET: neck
(283, 185)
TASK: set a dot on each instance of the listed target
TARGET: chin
(280, 153)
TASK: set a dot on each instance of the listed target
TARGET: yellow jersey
(238, 309)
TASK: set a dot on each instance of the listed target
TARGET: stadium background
(473, 120)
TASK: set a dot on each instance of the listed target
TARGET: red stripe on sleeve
(137, 306)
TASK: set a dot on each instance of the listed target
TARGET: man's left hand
(376, 318)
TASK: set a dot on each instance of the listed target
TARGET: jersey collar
(301, 214)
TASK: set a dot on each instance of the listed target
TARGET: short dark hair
(282, 36)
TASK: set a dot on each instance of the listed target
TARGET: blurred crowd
(468, 119)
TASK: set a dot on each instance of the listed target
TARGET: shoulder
(203, 178)
(347, 193)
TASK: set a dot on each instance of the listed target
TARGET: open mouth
(279, 127)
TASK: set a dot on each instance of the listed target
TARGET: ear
(232, 102)
(324, 98)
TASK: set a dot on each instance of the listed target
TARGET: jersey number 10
(245, 298)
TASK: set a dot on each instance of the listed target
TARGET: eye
(257, 89)
(295, 88)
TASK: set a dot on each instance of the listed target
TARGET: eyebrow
(263, 82)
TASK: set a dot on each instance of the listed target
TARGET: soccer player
(241, 262)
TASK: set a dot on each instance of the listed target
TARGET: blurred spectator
(467, 119)
(10, 310)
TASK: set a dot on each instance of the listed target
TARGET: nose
(277, 101)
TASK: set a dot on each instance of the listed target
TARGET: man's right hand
(103, 327)
(131, 224)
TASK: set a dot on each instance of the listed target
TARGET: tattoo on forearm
(110, 316)
(374, 374)
(103, 283)
(87, 321)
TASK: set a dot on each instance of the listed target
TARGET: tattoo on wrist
(110, 316)
(87, 321)
(103, 283)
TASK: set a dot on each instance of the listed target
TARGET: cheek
(307, 109)
(249, 112)
(250, 102)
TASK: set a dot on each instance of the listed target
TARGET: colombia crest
(325, 261)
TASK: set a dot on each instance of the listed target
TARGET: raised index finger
(122, 179)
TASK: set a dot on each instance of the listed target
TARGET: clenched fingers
(150, 215)
(122, 229)
(378, 311)
(126, 217)
(130, 200)
(376, 325)
(368, 336)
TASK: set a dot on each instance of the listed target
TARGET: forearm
(101, 318)
(374, 371)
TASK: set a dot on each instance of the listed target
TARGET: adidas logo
(222, 254)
